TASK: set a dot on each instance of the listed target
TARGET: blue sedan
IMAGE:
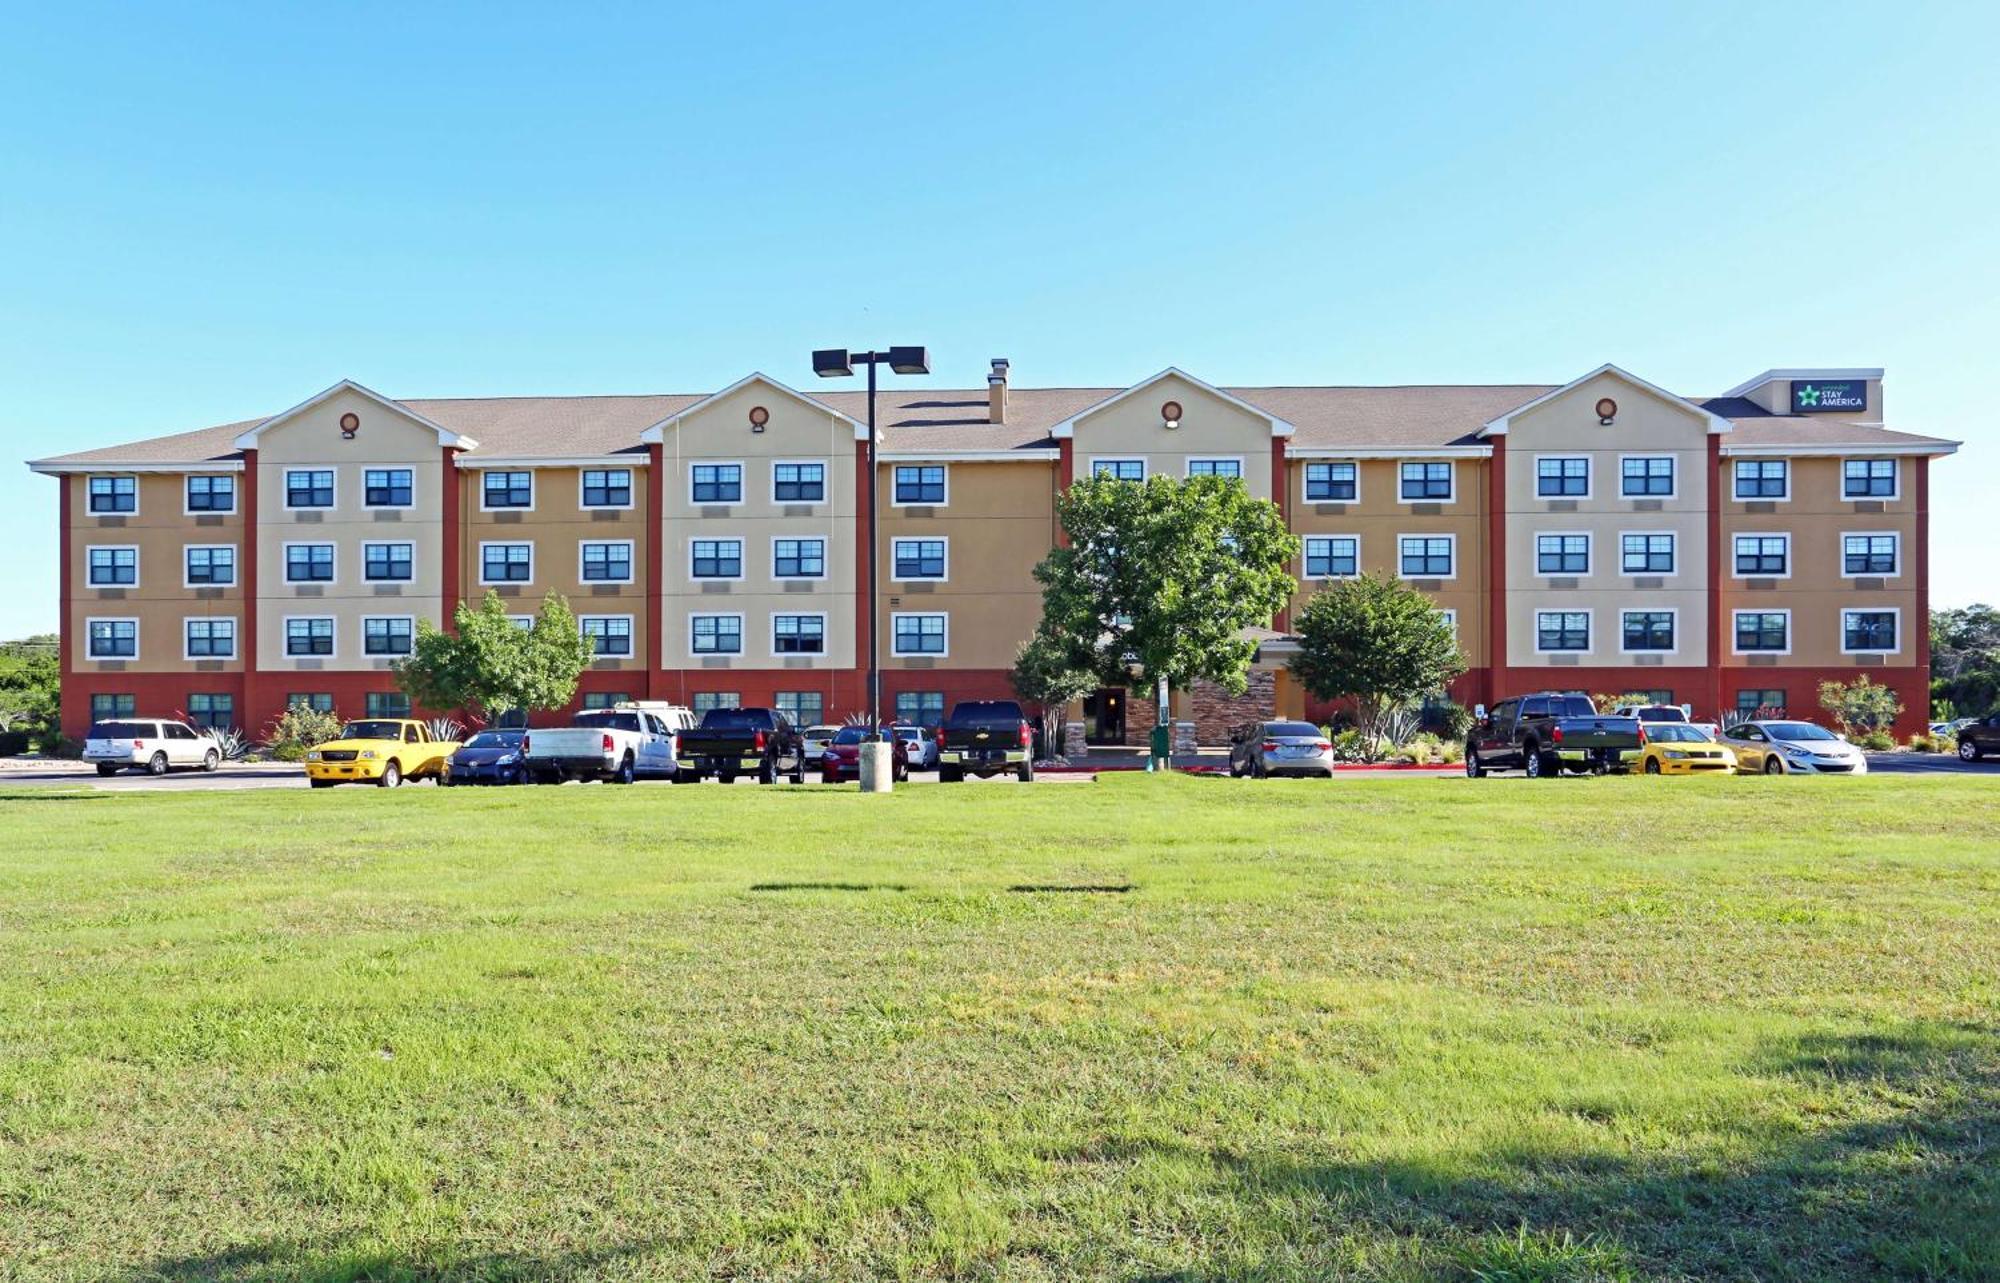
(490, 757)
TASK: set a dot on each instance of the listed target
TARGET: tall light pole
(839, 363)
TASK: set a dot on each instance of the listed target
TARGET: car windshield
(1677, 733)
(124, 731)
(736, 719)
(1798, 731)
(1291, 730)
(607, 721)
(985, 712)
(495, 739)
(852, 735)
(383, 730)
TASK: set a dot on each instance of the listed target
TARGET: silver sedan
(1264, 749)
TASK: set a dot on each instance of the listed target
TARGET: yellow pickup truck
(380, 750)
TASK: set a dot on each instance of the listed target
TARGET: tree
(1160, 579)
(493, 665)
(1860, 706)
(1965, 658)
(1044, 676)
(30, 690)
(1377, 642)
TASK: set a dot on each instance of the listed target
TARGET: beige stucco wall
(160, 530)
(721, 433)
(1568, 425)
(1210, 428)
(313, 439)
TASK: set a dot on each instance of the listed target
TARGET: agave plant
(230, 742)
(445, 728)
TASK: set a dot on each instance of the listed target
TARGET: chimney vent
(996, 391)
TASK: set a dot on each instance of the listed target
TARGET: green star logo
(1808, 396)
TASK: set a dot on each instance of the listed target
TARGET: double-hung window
(920, 708)
(317, 701)
(1763, 555)
(386, 704)
(103, 706)
(1425, 482)
(387, 562)
(1424, 556)
(1870, 631)
(312, 636)
(1754, 704)
(211, 638)
(716, 634)
(388, 487)
(716, 559)
(386, 635)
(309, 563)
(610, 635)
(114, 495)
(1562, 478)
(798, 634)
(607, 487)
(1868, 479)
(212, 711)
(918, 635)
(708, 701)
(210, 567)
(1119, 469)
(209, 493)
(798, 482)
(1332, 482)
(1763, 479)
(608, 563)
(1648, 630)
(309, 488)
(798, 559)
(1646, 554)
(805, 708)
(1765, 631)
(1562, 630)
(717, 482)
(1215, 468)
(508, 490)
(1332, 556)
(920, 483)
(918, 558)
(1646, 477)
(1868, 554)
(114, 638)
(114, 567)
(1562, 554)
(506, 563)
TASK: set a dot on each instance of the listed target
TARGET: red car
(842, 759)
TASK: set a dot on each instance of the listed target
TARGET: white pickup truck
(618, 744)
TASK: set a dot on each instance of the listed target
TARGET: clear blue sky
(208, 214)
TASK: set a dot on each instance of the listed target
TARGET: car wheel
(157, 764)
(1027, 773)
(1533, 764)
(627, 772)
(1773, 766)
(1968, 751)
(392, 775)
(799, 771)
(106, 768)
(768, 772)
(211, 761)
(1473, 770)
(1652, 766)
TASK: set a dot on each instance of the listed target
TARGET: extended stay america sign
(1819, 396)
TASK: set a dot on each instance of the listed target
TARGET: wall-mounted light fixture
(1607, 410)
(350, 423)
(759, 418)
(1170, 414)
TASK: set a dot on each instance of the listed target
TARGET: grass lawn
(1144, 1029)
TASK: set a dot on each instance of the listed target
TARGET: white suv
(153, 745)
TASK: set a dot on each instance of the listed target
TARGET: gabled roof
(1067, 428)
(445, 436)
(1497, 427)
(657, 433)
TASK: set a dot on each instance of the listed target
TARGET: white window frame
(1305, 484)
(522, 622)
(894, 502)
(1589, 554)
(631, 636)
(1734, 649)
(411, 506)
(825, 560)
(1673, 461)
(1895, 494)
(1305, 555)
(138, 565)
(1790, 553)
(1589, 478)
(825, 635)
(1894, 612)
(1421, 534)
(285, 561)
(1589, 614)
(235, 564)
(1450, 614)
(235, 495)
(742, 560)
(138, 493)
(285, 487)
(631, 560)
(138, 639)
(1674, 535)
(742, 483)
(1145, 466)
(367, 654)
(332, 637)
(484, 544)
(895, 578)
(1760, 460)
(1895, 535)
(1671, 611)
(534, 489)
(742, 645)
(235, 638)
(895, 615)
(1242, 464)
(366, 544)
(825, 480)
(631, 489)
(1451, 471)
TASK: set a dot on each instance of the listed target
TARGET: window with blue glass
(1332, 482)
(506, 563)
(114, 567)
(1332, 556)
(716, 634)
(386, 562)
(308, 563)
(716, 559)
(1425, 482)
(718, 482)
(1562, 554)
(387, 487)
(798, 482)
(211, 638)
(918, 558)
(919, 484)
(607, 487)
(607, 562)
(798, 559)
(610, 635)
(309, 636)
(798, 634)
(211, 494)
(114, 495)
(309, 488)
(508, 489)
(391, 635)
(1562, 478)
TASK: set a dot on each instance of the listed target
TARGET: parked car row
(1551, 732)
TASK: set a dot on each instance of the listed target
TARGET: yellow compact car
(1674, 748)
(380, 750)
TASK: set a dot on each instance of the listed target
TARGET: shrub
(1357, 746)
(1861, 706)
(1451, 720)
(1923, 742)
(1453, 751)
(1877, 741)
(233, 744)
(445, 728)
(297, 729)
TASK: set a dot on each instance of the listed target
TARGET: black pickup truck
(742, 741)
(985, 737)
(1548, 733)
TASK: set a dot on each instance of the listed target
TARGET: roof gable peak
(657, 434)
(1717, 425)
(1067, 428)
(446, 437)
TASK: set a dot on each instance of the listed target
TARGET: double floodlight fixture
(838, 363)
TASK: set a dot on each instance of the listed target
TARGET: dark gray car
(1264, 749)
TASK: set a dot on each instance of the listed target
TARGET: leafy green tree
(1860, 707)
(30, 690)
(492, 665)
(1044, 676)
(1965, 659)
(1159, 579)
(1377, 642)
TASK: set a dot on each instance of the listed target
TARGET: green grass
(1144, 1029)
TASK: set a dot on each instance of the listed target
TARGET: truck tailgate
(1598, 732)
